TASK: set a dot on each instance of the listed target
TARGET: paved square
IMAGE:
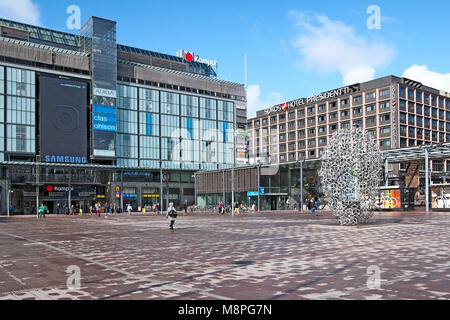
(268, 257)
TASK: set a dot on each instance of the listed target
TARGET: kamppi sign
(191, 57)
(314, 99)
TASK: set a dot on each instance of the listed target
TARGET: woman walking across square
(171, 215)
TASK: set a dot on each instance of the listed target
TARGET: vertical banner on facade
(99, 39)
(394, 116)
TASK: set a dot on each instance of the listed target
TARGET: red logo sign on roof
(189, 57)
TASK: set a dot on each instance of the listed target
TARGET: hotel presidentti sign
(314, 99)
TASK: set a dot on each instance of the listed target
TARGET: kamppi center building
(86, 120)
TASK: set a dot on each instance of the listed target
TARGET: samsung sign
(65, 159)
(314, 99)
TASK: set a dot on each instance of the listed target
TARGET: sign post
(38, 159)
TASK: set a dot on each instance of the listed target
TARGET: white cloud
(331, 46)
(254, 102)
(429, 78)
(20, 10)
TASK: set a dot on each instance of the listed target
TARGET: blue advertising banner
(104, 118)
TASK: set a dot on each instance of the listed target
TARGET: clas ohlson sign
(314, 99)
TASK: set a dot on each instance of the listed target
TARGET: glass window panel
(127, 97)
(170, 103)
(190, 128)
(127, 121)
(189, 106)
(171, 126)
(149, 147)
(2, 80)
(2, 109)
(20, 82)
(21, 139)
(208, 108)
(127, 146)
(149, 124)
(149, 100)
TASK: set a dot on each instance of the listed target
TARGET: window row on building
(183, 131)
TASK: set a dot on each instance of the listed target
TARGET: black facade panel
(63, 120)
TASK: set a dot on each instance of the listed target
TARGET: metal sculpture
(351, 174)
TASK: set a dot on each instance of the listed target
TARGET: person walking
(221, 211)
(106, 210)
(318, 203)
(158, 208)
(171, 215)
(129, 208)
(185, 207)
(236, 208)
(42, 211)
(312, 207)
(11, 210)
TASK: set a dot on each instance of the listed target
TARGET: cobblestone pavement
(257, 257)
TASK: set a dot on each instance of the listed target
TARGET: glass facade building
(149, 120)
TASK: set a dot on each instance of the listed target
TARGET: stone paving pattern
(268, 256)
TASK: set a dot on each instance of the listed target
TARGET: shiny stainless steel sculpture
(351, 174)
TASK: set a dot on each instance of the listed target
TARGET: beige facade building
(398, 112)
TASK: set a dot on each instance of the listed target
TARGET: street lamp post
(161, 197)
(224, 197)
(259, 186)
(195, 188)
(232, 179)
(121, 192)
(8, 201)
(301, 186)
(38, 159)
(427, 180)
(386, 172)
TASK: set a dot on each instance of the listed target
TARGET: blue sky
(295, 48)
